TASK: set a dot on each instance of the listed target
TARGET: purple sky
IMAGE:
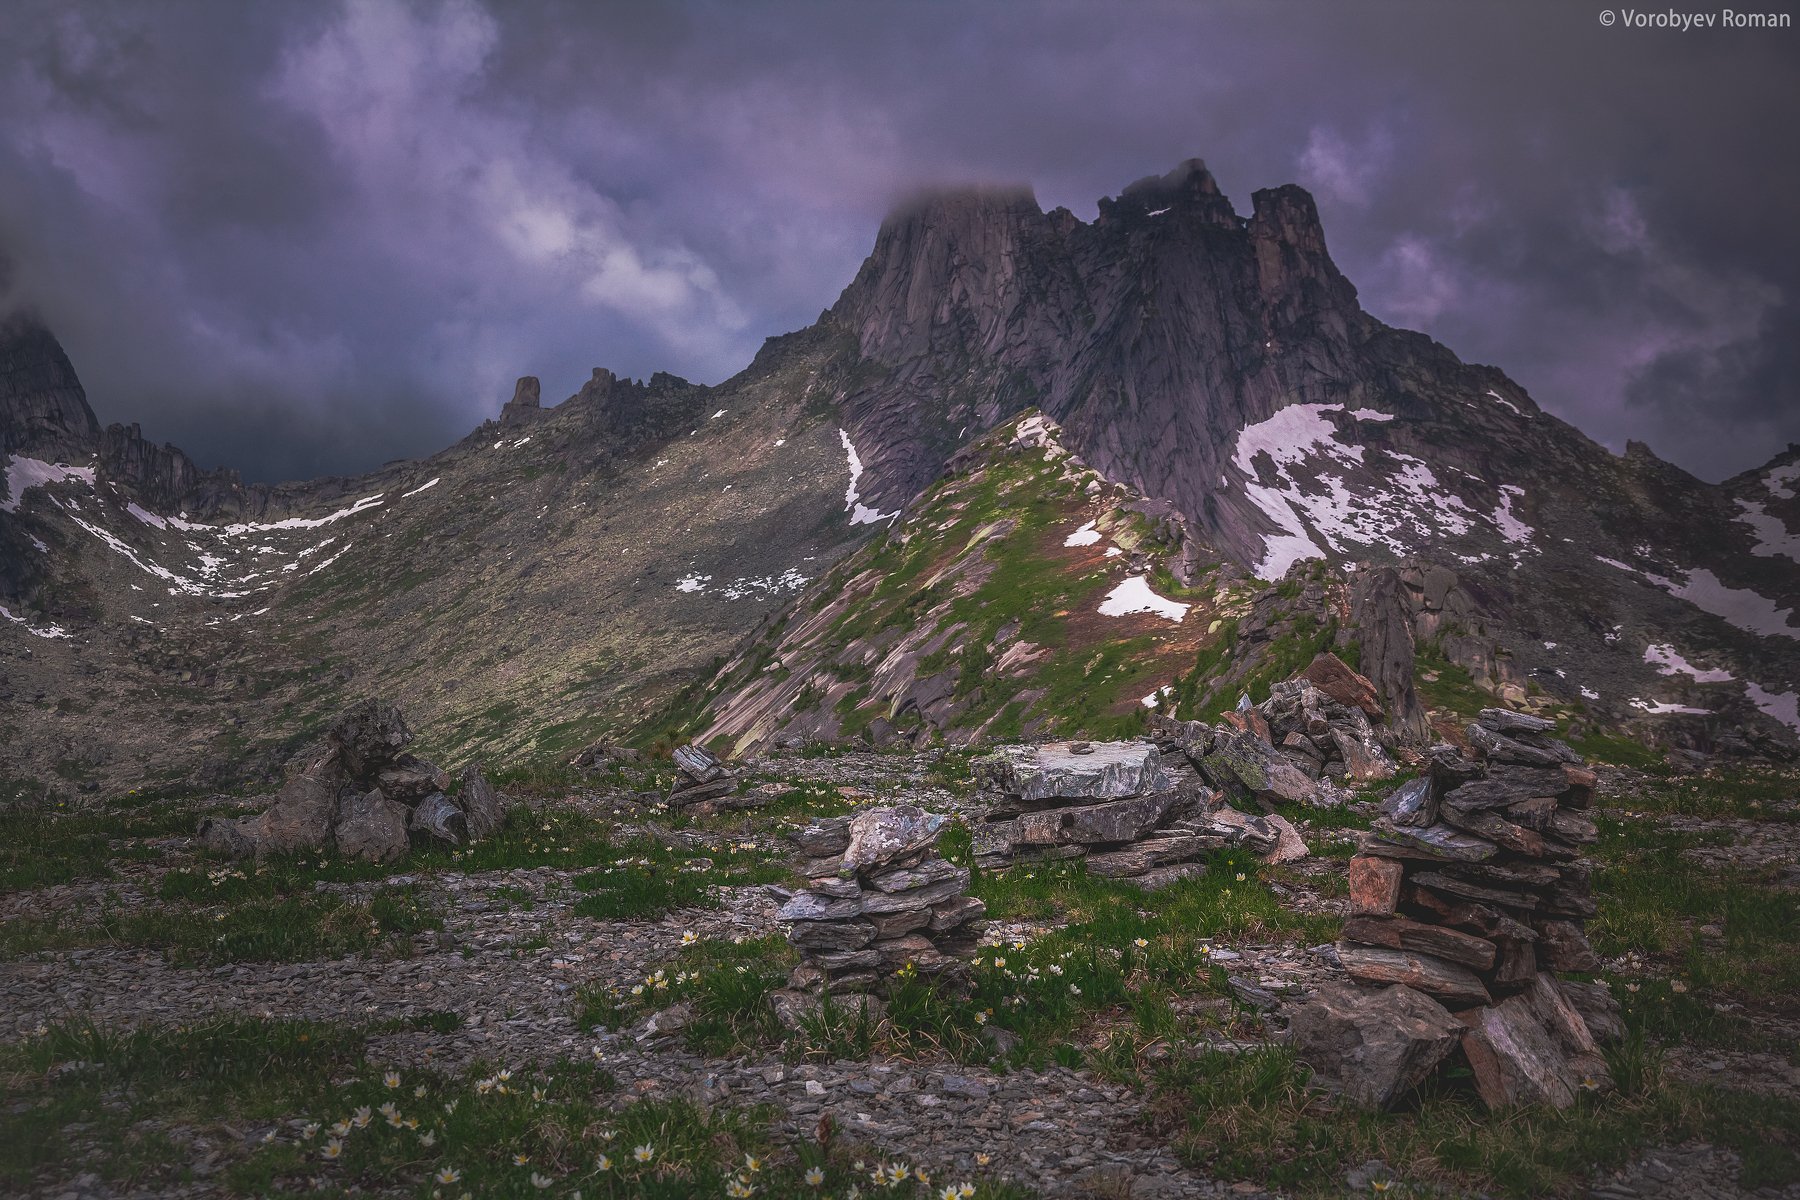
(304, 238)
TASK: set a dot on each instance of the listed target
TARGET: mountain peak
(43, 408)
(1188, 191)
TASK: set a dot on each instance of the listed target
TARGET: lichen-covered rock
(884, 834)
(437, 816)
(482, 810)
(1076, 771)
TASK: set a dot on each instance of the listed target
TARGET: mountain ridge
(1213, 364)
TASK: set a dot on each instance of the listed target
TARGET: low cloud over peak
(303, 239)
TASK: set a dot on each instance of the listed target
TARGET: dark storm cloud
(305, 238)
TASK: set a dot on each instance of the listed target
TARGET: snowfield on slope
(1397, 508)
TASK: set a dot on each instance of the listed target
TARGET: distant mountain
(1197, 390)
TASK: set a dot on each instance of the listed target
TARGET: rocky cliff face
(44, 412)
(1221, 364)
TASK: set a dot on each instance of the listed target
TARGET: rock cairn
(879, 898)
(1127, 808)
(361, 793)
(1470, 891)
(704, 777)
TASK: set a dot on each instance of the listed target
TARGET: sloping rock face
(44, 411)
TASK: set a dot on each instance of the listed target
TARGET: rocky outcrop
(361, 793)
(523, 406)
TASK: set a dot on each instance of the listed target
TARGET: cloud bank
(302, 239)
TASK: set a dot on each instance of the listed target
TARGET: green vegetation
(1724, 933)
(725, 984)
(648, 879)
(325, 1121)
(47, 846)
(1445, 687)
(260, 922)
(1252, 1116)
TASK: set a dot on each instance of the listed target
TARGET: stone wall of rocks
(1470, 891)
(1131, 810)
(880, 897)
(360, 793)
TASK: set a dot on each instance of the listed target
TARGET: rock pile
(1313, 732)
(880, 898)
(360, 793)
(1465, 897)
(1122, 806)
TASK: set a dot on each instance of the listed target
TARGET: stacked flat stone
(703, 777)
(1128, 809)
(879, 898)
(1470, 889)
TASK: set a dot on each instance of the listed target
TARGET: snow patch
(1157, 212)
(23, 473)
(1589, 693)
(1410, 502)
(1087, 535)
(1510, 527)
(421, 488)
(1780, 479)
(1371, 414)
(146, 516)
(860, 513)
(692, 583)
(1772, 536)
(1659, 708)
(43, 631)
(789, 580)
(1741, 607)
(1154, 698)
(1505, 401)
(1783, 706)
(1668, 661)
(1134, 596)
(717, 415)
(363, 505)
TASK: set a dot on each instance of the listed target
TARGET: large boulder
(482, 810)
(300, 817)
(1532, 1048)
(1333, 676)
(438, 817)
(370, 826)
(1243, 765)
(410, 780)
(1373, 1046)
(1095, 824)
